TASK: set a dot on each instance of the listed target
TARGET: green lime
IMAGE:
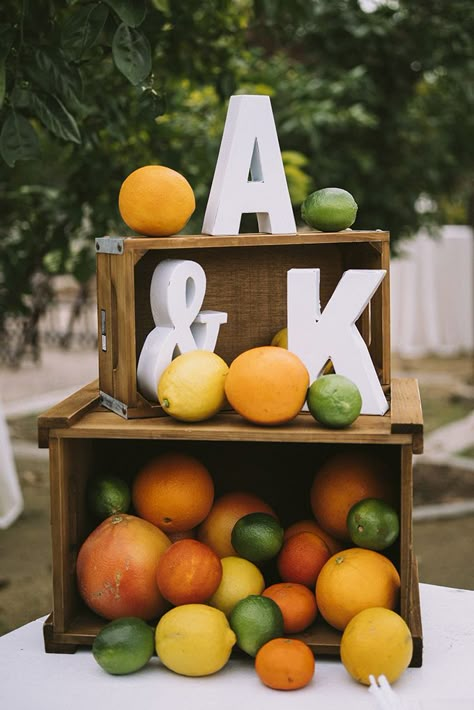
(373, 523)
(256, 620)
(107, 495)
(124, 645)
(334, 401)
(330, 209)
(257, 537)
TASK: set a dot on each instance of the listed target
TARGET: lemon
(330, 209)
(372, 523)
(192, 386)
(239, 579)
(256, 620)
(280, 339)
(257, 537)
(194, 640)
(123, 646)
(334, 401)
(107, 495)
(376, 641)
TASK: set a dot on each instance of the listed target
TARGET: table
(30, 678)
(432, 294)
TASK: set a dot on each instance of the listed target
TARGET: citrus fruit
(182, 535)
(216, 530)
(329, 209)
(353, 580)
(343, 480)
(188, 572)
(257, 537)
(116, 568)
(373, 523)
(194, 640)
(376, 642)
(301, 558)
(280, 340)
(267, 385)
(313, 527)
(239, 579)
(191, 388)
(297, 604)
(285, 664)
(107, 495)
(156, 201)
(174, 491)
(255, 620)
(124, 645)
(334, 401)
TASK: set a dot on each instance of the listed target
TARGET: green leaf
(55, 116)
(18, 140)
(82, 29)
(132, 53)
(162, 6)
(50, 72)
(20, 97)
(131, 12)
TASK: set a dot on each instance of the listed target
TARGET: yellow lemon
(194, 640)
(239, 579)
(192, 386)
(280, 340)
(376, 641)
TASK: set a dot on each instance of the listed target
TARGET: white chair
(11, 498)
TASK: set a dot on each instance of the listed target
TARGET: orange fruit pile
(128, 566)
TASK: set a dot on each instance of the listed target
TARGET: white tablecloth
(432, 294)
(30, 679)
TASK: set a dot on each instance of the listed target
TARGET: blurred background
(373, 96)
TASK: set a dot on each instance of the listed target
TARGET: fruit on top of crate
(156, 201)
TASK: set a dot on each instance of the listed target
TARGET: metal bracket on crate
(109, 245)
(115, 405)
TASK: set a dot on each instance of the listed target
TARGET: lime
(239, 579)
(124, 645)
(257, 537)
(107, 495)
(376, 642)
(256, 620)
(194, 640)
(373, 523)
(334, 401)
(191, 388)
(330, 209)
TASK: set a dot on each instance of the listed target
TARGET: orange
(353, 580)
(343, 480)
(189, 572)
(116, 568)
(301, 558)
(313, 527)
(174, 491)
(285, 664)
(267, 385)
(156, 201)
(182, 535)
(297, 605)
(216, 530)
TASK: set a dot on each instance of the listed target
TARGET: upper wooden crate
(246, 277)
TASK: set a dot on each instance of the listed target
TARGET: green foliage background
(380, 103)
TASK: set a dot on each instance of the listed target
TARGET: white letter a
(249, 145)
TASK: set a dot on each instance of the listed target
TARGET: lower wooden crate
(277, 463)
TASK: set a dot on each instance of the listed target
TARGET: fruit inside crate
(279, 469)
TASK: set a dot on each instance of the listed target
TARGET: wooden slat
(105, 307)
(406, 411)
(406, 529)
(206, 241)
(124, 333)
(65, 413)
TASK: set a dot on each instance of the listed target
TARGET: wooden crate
(276, 462)
(246, 277)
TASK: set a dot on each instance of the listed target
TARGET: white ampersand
(177, 291)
